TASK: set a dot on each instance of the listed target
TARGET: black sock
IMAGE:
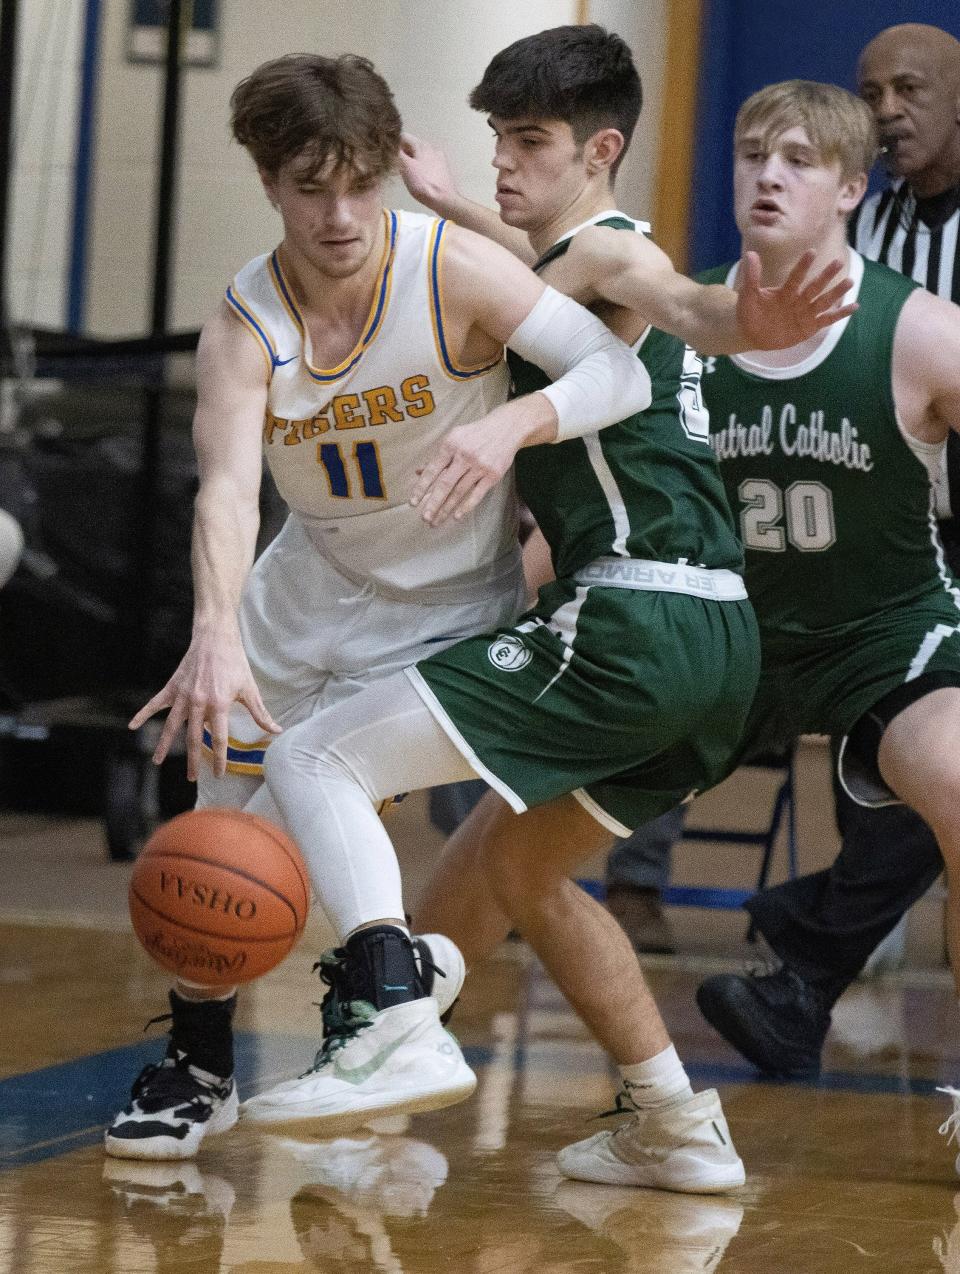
(381, 967)
(202, 1030)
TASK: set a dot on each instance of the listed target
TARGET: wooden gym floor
(847, 1175)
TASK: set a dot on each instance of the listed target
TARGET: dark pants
(450, 805)
(826, 925)
(643, 859)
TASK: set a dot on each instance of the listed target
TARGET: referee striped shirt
(887, 228)
(919, 239)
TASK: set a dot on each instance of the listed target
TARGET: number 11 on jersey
(366, 462)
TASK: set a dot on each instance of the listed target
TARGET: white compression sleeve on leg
(598, 379)
(328, 775)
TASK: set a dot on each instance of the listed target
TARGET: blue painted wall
(750, 43)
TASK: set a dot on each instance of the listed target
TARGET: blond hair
(838, 124)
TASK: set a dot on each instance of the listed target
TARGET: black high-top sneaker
(384, 1051)
(189, 1095)
(777, 1020)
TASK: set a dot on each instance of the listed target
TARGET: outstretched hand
(425, 171)
(778, 318)
(211, 677)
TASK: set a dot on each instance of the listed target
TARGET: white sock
(659, 1081)
(376, 924)
(198, 986)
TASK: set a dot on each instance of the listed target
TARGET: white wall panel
(431, 53)
(41, 197)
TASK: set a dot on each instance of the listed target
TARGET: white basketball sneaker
(686, 1147)
(442, 969)
(399, 1060)
(391, 1057)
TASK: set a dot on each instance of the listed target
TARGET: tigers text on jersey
(646, 487)
(833, 501)
(344, 443)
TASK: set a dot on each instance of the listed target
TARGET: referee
(825, 926)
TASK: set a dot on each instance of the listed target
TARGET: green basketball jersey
(835, 510)
(646, 487)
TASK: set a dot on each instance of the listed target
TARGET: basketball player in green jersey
(828, 453)
(625, 687)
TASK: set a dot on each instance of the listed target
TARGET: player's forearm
(704, 316)
(225, 528)
(481, 220)
(712, 323)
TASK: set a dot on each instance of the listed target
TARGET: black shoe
(189, 1095)
(776, 1020)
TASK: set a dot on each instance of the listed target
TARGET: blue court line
(58, 1109)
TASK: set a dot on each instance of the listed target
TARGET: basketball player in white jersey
(345, 355)
(348, 355)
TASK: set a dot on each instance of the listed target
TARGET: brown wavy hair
(335, 112)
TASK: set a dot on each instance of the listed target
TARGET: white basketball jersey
(344, 443)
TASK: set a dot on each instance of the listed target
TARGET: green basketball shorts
(631, 700)
(824, 683)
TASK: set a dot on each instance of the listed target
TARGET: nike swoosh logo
(282, 362)
(357, 1074)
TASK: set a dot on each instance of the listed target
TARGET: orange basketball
(219, 896)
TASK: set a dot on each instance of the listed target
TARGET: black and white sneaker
(189, 1095)
(173, 1107)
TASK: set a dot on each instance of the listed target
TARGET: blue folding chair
(784, 808)
(728, 898)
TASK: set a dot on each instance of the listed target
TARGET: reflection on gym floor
(847, 1174)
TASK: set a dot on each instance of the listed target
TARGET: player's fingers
(459, 493)
(799, 272)
(439, 490)
(480, 488)
(218, 724)
(834, 316)
(813, 287)
(163, 699)
(833, 296)
(751, 270)
(429, 474)
(175, 718)
(195, 722)
(254, 704)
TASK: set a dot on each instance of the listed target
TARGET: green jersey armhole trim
(822, 352)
